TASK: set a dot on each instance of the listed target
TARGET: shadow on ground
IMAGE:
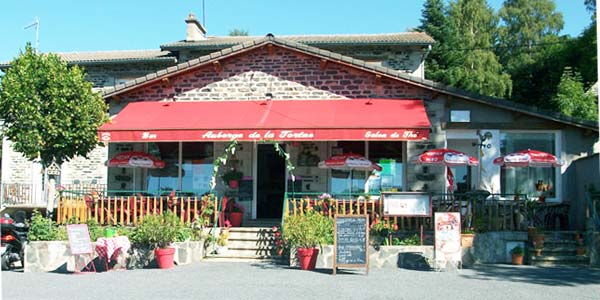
(554, 276)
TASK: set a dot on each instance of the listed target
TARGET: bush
(160, 231)
(42, 228)
(518, 250)
(308, 230)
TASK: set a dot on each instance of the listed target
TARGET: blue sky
(76, 25)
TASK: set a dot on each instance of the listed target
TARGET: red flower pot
(235, 218)
(164, 257)
(234, 184)
(307, 257)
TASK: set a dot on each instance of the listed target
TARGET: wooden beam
(323, 64)
(448, 102)
(166, 81)
(270, 49)
(377, 79)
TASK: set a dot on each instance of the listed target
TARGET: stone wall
(594, 244)
(285, 74)
(495, 246)
(16, 168)
(92, 170)
(109, 74)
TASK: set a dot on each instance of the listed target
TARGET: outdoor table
(109, 248)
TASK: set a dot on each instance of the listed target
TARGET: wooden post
(102, 211)
(121, 216)
(108, 216)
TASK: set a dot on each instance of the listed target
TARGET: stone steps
(547, 260)
(559, 249)
(247, 243)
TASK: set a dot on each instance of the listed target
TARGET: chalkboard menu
(79, 239)
(351, 242)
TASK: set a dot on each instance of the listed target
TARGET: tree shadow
(554, 276)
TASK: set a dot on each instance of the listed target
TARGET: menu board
(79, 239)
(447, 238)
(351, 242)
(406, 204)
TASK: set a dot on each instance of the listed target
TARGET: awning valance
(281, 120)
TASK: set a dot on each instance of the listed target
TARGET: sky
(79, 25)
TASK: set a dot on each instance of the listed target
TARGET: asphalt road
(226, 280)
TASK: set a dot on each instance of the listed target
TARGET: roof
(352, 62)
(398, 39)
(103, 57)
(397, 119)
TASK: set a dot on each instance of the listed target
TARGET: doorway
(271, 182)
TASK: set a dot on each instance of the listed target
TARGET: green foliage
(413, 240)
(96, 231)
(472, 65)
(571, 98)
(308, 230)
(518, 250)
(158, 230)
(49, 110)
(238, 32)
(435, 24)
(42, 228)
(232, 174)
(223, 237)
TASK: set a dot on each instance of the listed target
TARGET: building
(318, 96)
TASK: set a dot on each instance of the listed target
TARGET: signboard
(79, 239)
(447, 239)
(406, 204)
(351, 242)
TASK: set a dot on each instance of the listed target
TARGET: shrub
(518, 250)
(157, 231)
(41, 228)
(308, 230)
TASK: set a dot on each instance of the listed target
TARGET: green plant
(157, 231)
(308, 230)
(232, 174)
(41, 228)
(223, 237)
(413, 240)
(518, 250)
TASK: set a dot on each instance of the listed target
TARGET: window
(165, 180)
(460, 116)
(347, 182)
(197, 167)
(389, 156)
(523, 180)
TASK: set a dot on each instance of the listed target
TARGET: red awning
(282, 120)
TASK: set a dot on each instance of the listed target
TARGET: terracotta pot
(164, 257)
(466, 239)
(517, 259)
(580, 251)
(234, 184)
(538, 252)
(235, 218)
(307, 257)
(538, 239)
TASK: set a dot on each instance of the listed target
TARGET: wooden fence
(132, 210)
(478, 212)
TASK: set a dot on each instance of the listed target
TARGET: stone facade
(102, 75)
(91, 170)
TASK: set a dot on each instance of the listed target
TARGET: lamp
(482, 138)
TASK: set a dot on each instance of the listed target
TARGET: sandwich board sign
(81, 247)
(351, 242)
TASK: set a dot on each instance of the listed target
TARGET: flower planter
(466, 239)
(580, 251)
(164, 257)
(307, 257)
(235, 218)
(517, 259)
(234, 184)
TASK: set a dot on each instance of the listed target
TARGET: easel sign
(81, 246)
(447, 240)
(351, 242)
(406, 204)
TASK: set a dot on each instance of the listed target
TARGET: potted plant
(222, 241)
(467, 237)
(159, 232)
(232, 178)
(580, 246)
(236, 214)
(517, 255)
(306, 232)
(538, 247)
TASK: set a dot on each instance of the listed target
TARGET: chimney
(195, 31)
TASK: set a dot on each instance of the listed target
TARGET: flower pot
(538, 239)
(164, 257)
(466, 239)
(517, 259)
(580, 251)
(235, 218)
(307, 257)
(538, 252)
(234, 184)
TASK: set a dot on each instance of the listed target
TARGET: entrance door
(271, 182)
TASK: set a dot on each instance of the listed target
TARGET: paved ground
(222, 280)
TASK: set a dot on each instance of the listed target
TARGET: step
(244, 253)
(249, 244)
(546, 260)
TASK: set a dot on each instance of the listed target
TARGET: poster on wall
(448, 251)
(406, 204)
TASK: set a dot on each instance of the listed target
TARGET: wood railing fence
(132, 210)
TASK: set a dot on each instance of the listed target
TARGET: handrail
(593, 215)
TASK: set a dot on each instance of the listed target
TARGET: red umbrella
(445, 157)
(349, 161)
(528, 158)
(136, 159)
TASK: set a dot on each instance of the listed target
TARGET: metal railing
(22, 194)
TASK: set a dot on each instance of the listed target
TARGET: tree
(238, 32)
(49, 110)
(572, 99)
(435, 24)
(472, 65)
(527, 33)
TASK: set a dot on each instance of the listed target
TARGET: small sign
(407, 204)
(447, 239)
(79, 239)
(53, 169)
(351, 242)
